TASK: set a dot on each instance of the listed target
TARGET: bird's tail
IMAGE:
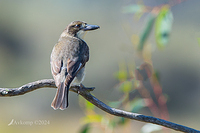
(61, 98)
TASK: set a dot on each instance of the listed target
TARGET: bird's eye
(78, 25)
(84, 25)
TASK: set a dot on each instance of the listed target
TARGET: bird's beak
(90, 27)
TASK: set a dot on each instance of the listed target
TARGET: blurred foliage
(163, 26)
(146, 32)
(136, 95)
(85, 128)
(149, 128)
(122, 74)
(133, 9)
(143, 72)
(161, 17)
(129, 84)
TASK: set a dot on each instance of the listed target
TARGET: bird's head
(79, 28)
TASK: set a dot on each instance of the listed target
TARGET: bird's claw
(83, 88)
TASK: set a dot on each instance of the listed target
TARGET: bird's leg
(80, 88)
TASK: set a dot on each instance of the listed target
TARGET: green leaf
(121, 75)
(133, 9)
(126, 86)
(146, 32)
(89, 105)
(92, 118)
(137, 104)
(156, 75)
(85, 128)
(163, 26)
(122, 121)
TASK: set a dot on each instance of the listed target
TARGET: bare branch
(85, 92)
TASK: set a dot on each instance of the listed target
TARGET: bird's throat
(81, 34)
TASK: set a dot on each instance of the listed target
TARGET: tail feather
(65, 103)
(60, 96)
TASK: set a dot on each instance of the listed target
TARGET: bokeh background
(30, 28)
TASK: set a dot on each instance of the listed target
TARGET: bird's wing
(56, 67)
(74, 66)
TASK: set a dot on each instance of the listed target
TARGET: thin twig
(85, 92)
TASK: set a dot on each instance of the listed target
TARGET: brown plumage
(68, 59)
